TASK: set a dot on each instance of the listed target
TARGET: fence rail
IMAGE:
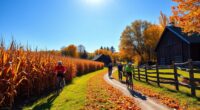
(147, 73)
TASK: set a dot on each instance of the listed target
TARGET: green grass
(169, 91)
(72, 97)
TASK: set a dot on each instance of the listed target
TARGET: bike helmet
(59, 62)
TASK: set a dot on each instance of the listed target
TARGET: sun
(94, 2)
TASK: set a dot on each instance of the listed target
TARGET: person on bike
(120, 71)
(60, 71)
(110, 68)
(129, 70)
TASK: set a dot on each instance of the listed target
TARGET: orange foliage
(187, 15)
(70, 51)
(170, 102)
(152, 35)
(101, 95)
(103, 51)
(137, 60)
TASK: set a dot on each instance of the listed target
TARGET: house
(175, 45)
(103, 58)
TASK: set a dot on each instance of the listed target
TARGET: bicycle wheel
(127, 82)
(62, 83)
(57, 88)
(121, 73)
(59, 85)
(131, 83)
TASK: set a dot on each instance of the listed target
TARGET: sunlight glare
(94, 2)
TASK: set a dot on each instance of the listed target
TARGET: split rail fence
(156, 74)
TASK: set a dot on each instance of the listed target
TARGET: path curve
(144, 102)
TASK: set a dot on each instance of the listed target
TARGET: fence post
(193, 92)
(146, 73)
(138, 73)
(175, 77)
(157, 75)
(133, 72)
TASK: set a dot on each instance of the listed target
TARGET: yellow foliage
(152, 35)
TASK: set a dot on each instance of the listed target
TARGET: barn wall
(195, 52)
(171, 49)
(186, 51)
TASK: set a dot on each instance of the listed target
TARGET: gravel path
(144, 102)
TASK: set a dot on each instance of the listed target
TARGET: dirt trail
(144, 102)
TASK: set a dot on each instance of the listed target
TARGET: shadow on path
(135, 93)
(145, 103)
(47, 105)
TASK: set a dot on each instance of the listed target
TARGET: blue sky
(52, 24)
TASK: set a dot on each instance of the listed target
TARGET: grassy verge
(72, 97)
(166, 96)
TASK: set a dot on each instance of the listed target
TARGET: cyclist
(110, 68)
(60, 70)
(120, 71)
(129, 80)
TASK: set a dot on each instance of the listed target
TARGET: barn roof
(188, 38)
(97, 57)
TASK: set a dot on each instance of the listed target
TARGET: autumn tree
(139, 40)
(151, 37)
(137, 34)
(115, 57)
(103, 51)
(91, 56)
(187, 15)
(70, 50)
(112, 49)
(126, 46)
(82, 52)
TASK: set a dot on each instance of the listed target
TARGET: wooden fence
(156, 75)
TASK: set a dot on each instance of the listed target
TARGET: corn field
(25, 73)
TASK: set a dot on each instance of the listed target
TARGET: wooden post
(146, 73)
(176, 77)
(133, 72)
(138, 73)
(193, 92)
(157, 75)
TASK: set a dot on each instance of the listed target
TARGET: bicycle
(120, 75)
(60, 84)
(109, 73)
(129, 81)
